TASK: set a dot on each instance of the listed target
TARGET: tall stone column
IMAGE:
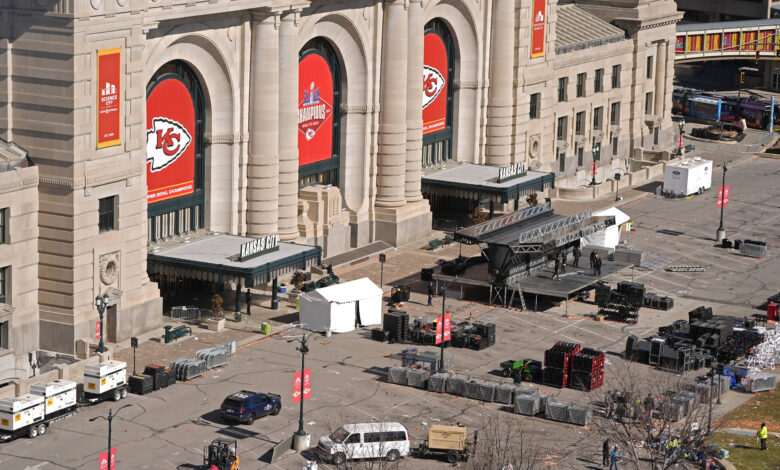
(288, 126)
(263, 172)
(414, 121)
(660, 78)
(392, 116)
(500, 104)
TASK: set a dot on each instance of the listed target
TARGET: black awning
(480, 182)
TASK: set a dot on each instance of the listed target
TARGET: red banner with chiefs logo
(296, 397)
(315, 110)
(170, 149)
(108, 77)
(537, 28)
(435, 84)
(307, 384)
(103, 461)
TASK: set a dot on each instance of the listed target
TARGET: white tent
(339, 308)
(609, 237)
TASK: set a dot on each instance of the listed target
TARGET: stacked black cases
(700, 313)
(141, 384)
(602, 294)
(558, 364)
(157, 373)
(487, 331)
(397, 325)
(378, 334)
(634, 293)
(170, 376)
(657, 302)
(587, 369)
(426, 274)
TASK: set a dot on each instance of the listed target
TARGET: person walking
(562, 255)
(605, 453)
(608, 400)
(597, 265)
(649, 404)
(592, 258)
(557, 267)
(576, 253)
(637, 407)
(248, 302)
(762, 435)
(430, 294)
(613, 459)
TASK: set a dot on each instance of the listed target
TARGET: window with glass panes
(106, 216)
(649, 103)
(562, 84)
(3, 286)
(437, 146)
(614, 114)
(536, 99)
(597, 117)
(3, 224)
(616, 76)
(580, 85)
(184, 213)
(579, 119)
(598, 80)
(649, 66)
(562, 123)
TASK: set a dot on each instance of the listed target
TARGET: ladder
(517, 290)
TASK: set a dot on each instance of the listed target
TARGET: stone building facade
(85, 86)
(18, 262)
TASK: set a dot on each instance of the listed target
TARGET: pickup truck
(245, 406)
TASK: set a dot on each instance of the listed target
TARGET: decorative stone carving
(109, 268)
(121, 3)
(534, 144)
(535, 165)
(96, 4)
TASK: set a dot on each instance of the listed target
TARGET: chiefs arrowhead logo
(165, 142)
(433, 84)
(539, 17)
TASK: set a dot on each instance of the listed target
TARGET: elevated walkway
(749, 39)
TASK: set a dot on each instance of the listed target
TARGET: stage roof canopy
(471, 181)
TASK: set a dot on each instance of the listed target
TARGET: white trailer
(688, 177)
(21, 416)
(105, 380)
(59, 398)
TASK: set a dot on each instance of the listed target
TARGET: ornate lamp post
(110, 418)
(596, 156)
(721, 233)
(682, 132)
(101, 303)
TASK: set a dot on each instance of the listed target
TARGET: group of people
(560, 262)
(621, 405)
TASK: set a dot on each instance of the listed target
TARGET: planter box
(214, 324)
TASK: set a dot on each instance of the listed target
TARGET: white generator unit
(59, 396)
(18, 414)
(687, 177)
(104, 379)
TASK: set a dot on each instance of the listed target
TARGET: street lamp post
(300, 442)
(101, 303)
(596, 155)
(110, 418)
(617, 186)
(721, 233)
(711, 373)
(682, 132)
(443, 311)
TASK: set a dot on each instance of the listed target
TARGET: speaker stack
(587, 369)
(558, 364)
(397, 325)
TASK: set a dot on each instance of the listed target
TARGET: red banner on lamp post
(446, 329)
(103, 460)
(594, 169)
(97, 333)
(723, 197)
(108, 78)
(297, 388)
(438, 330)
(307, 384)
(537, 28)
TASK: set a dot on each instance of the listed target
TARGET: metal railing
(191, 314)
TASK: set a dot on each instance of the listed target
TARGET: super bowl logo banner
(170, 151)
(315, 110)
(434, 96)
(537, 29)
(109, 68)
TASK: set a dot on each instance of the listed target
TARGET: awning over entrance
(480, 182)
(217, 258)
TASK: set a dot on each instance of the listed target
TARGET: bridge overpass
(750, 39)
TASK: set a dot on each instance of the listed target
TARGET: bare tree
(655, 421)
(504, 442)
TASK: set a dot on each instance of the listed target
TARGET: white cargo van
(388, 441)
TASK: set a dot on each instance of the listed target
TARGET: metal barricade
(185, 314)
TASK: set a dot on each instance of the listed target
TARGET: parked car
(389, 441)
(245, 406)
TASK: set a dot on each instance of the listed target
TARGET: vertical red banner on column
(103, 460)
(307, 384)
(435, 76)
(108, 104)
(447, 327)
(438, 330)
(726, 196)
(537, 28)
(97, 330)
(297, 388)
(315, 110)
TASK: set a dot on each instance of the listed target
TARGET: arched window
(175, 147)
(438, 92)
(319, 114)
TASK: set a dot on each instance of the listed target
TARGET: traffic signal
(777, 52)
(757, 55)
(741, 77)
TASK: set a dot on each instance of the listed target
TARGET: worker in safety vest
(762, 434)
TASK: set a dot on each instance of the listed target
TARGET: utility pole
(110, 419)
(301, 438)
(721, 233)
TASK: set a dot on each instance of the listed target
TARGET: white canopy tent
(609, 237)
(339, 308)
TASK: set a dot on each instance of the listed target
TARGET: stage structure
(520, 245)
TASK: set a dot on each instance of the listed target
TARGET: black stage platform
(540, 282)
